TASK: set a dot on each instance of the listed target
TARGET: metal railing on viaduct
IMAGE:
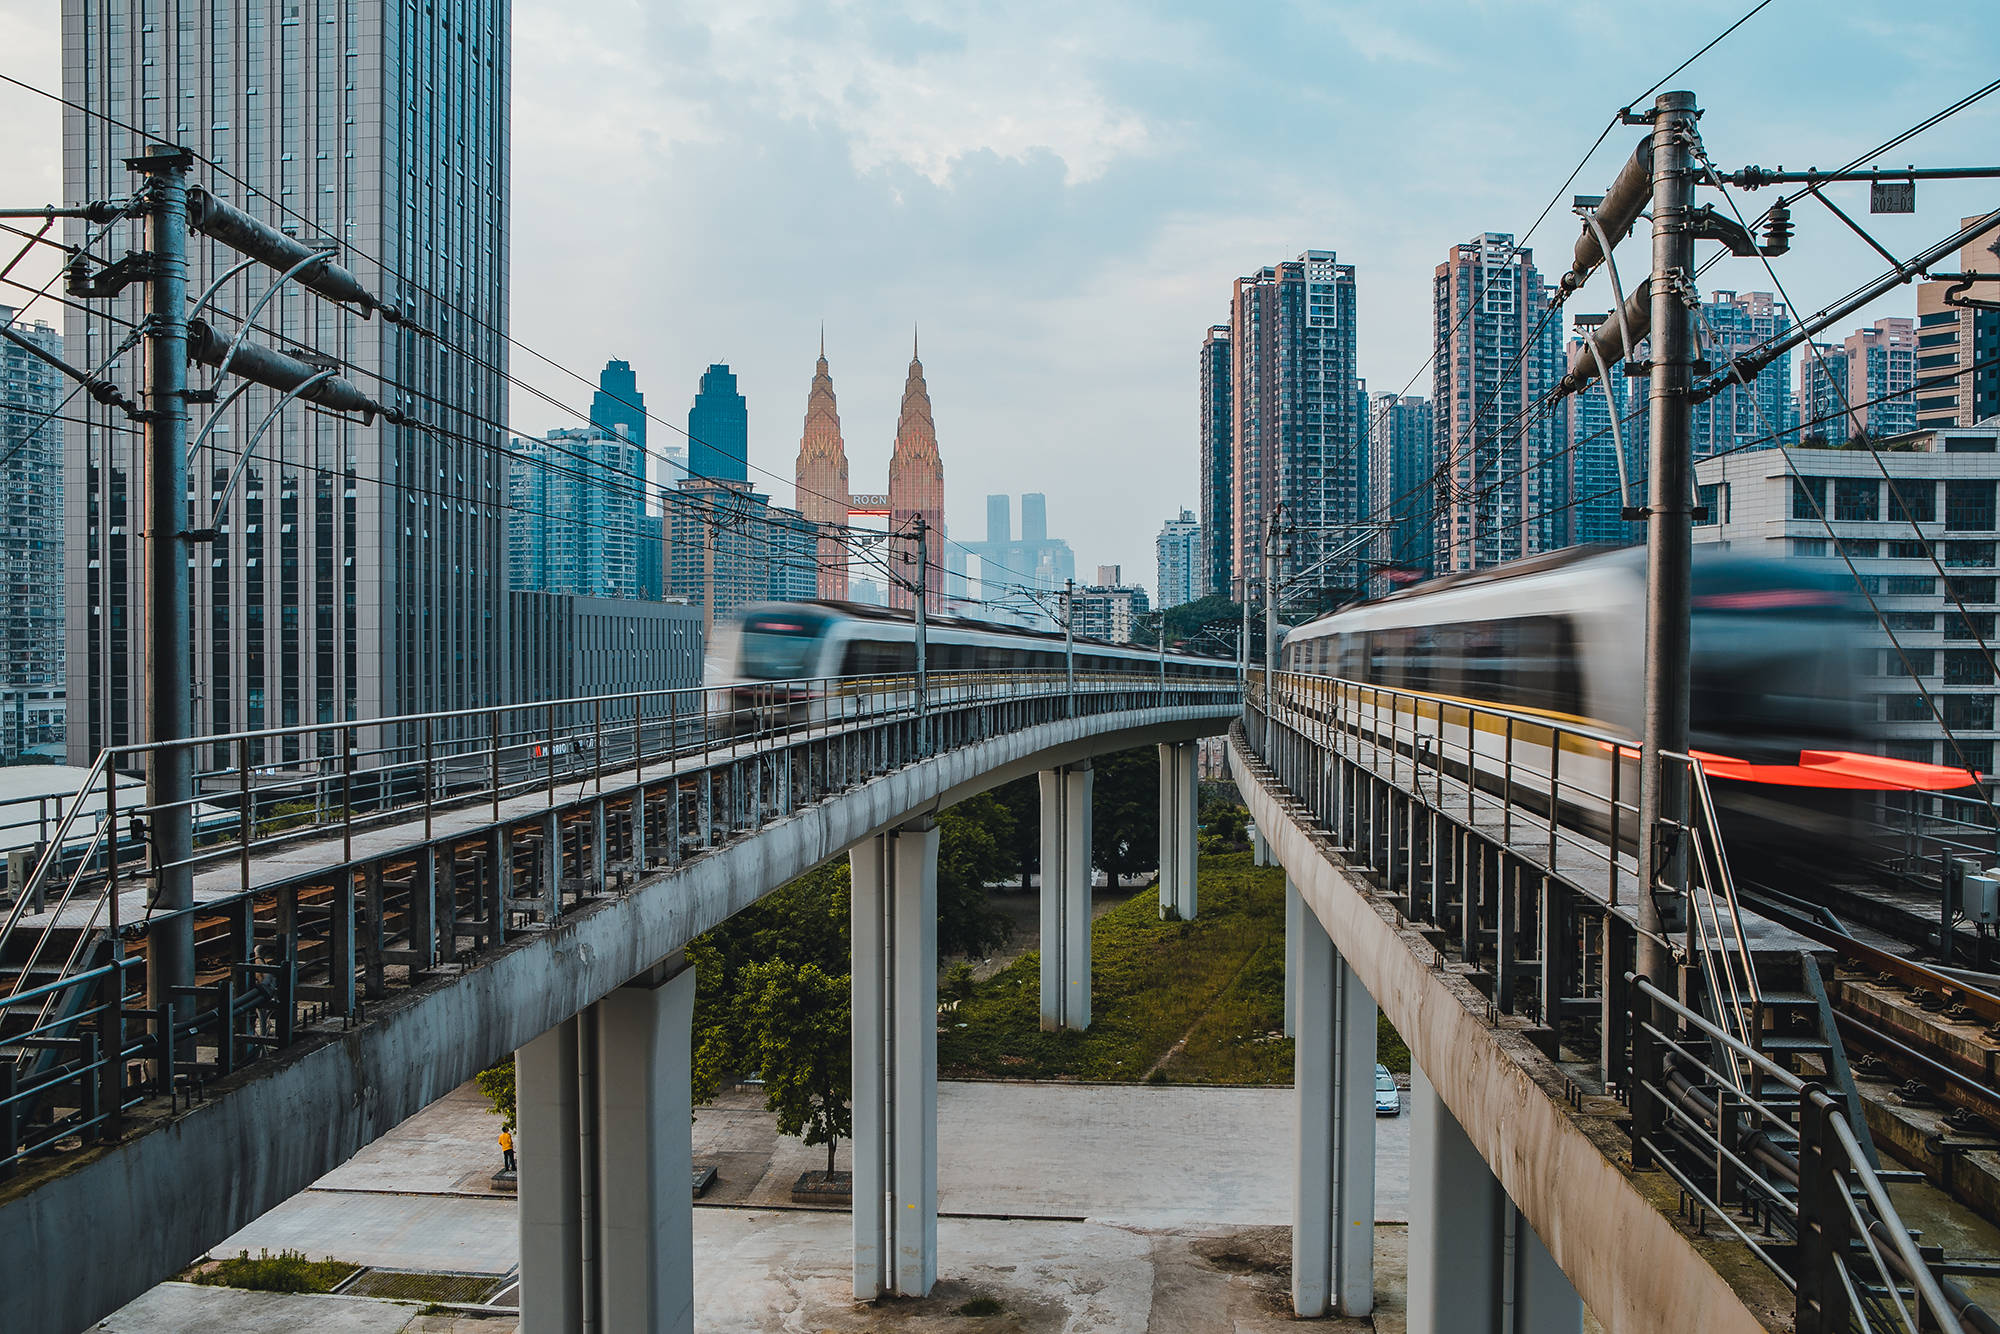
(384, 907)
(1683, 1152)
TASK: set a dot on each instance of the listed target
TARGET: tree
(798, 1021)
(497, 1083)
(1125, 813)
(1187, 621)
(973, 839)
(1022, 840)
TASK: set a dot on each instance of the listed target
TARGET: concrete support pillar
(1476, 1267)
(1180, 803)
(606, 1213)
(1066, 897)
(1333, 1193)
(1260, 851)
(550, 1180)
(1295, 907)
(894, 907)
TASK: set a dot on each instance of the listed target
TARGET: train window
(1527, 663)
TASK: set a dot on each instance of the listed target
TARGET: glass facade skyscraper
(1399, 461)
(1505, 483)
(719, 429)
(31, 541)
(1297, 441)
(576, 511)
(1598, 501)
(355, 568)
(1218, 523)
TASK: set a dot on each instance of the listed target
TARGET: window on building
(1912, 501)
(1972, 712)
(1968, 625)
(1917, 751)
(1971, 590)
(1967, 667)
(1909, 585)
(1974, 755)
(1859, 548)
(1857, 499)
(1808, 497)
(1968, 444)
(1909, 620)
(1808, 546)
(1907, 708)
(1910, 662)
(1905, 551)
(1713, 499)
(1968, 506)
(1968, 555)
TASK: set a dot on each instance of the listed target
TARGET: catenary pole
(1271, 610)
(1069, 642)
(169, 706)
(1669, 537)
(923, 596)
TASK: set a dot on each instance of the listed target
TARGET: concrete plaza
(1103, 1207)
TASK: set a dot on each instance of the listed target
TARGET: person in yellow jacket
(506, 1151)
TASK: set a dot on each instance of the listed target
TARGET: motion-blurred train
(1777, 715)
(793, 662)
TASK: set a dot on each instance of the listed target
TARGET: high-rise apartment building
(719, 429)
(1876, 361)
(1823, 393)
(1179, 552)
(1399, 486)
(821, 490)
(1218, 523)
(1762, 413)
(728, 545)
(31, 542)
(1110, 612)
(1296, 438)
(355, 571)
(1504, 488)
(1599, 488)
(618, 408)
(916, 490)
(1958, 345)
(576, 514)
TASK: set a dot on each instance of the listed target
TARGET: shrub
(287, 1271)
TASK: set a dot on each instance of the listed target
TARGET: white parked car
(1388, 1101)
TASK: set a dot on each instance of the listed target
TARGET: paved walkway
(1126, 1208)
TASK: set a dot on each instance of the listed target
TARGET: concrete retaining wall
(116, 1220)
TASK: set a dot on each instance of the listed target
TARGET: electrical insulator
(1778, 230)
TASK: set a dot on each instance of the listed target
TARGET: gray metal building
(355, 569)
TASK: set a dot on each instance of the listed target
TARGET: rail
(1782, 1170)
(1569, 787)
(513, 815)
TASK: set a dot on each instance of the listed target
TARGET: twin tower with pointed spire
(916, 491)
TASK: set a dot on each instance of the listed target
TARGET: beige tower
(916, 488)
(821, 477)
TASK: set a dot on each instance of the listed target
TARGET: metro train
(794, 662)
(1777, 715)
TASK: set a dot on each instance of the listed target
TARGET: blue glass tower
(719, 429)
(618, 408)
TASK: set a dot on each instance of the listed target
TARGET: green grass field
(1198, 1002)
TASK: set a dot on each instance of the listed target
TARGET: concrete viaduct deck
(572, 944)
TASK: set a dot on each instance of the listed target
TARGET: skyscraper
(916, 490)
(1599, 499)
(1764, 411)
(1954, 339)
(719, 429)
(820, 473)
(1502, 487)
(1218, 522)
(576, 511)
(1034, 517)
(31, 541)
(1296, 439)
(355, 571)
(1033, 560)
(1179, 549)
(1399, 462)
(1822, 393)
(618, 408)
(729, 545)
(1877, 361)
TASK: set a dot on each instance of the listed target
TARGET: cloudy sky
(1059, 194)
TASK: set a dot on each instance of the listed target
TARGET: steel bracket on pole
(113, 278)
